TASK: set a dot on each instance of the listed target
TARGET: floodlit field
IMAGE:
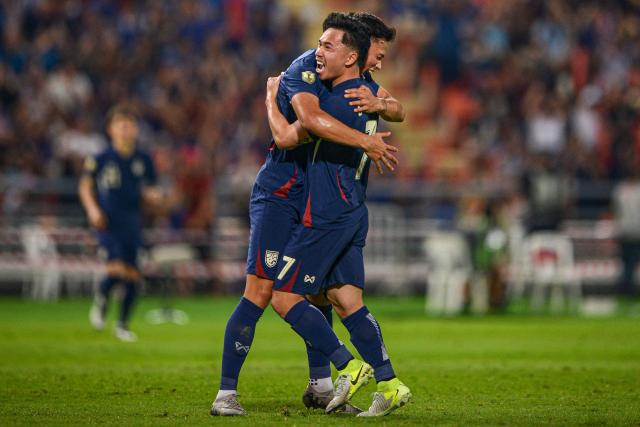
(502, 370)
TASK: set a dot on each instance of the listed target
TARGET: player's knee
(318, 300)
(258, 291)
(116, 269)
(133, 275)
(282, 303)
(345, 300)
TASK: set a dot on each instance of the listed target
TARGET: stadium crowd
(540, 97)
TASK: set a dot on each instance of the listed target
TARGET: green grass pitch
(496, 370)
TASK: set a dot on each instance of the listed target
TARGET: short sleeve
(373, 85)
(90, 166)
(299, 78)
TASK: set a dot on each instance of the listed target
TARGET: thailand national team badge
(308, 77)
(137, 167)
(271, 258)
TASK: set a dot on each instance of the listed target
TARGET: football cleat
(319, 400)
(350, 379)
(390, 396)
(227, 406)
(125, 335)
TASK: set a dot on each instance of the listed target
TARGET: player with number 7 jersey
(335, 219)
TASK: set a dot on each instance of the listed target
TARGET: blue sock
(312, 326)
(238, 337)
(319, 366)
(106, 284)
(129, 299)
(367, 338)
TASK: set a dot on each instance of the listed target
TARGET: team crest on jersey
(110, 176)
(137, 167)
(308, 77)
(271, 258)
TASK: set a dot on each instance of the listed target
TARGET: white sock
(223, 393)
(321, 385)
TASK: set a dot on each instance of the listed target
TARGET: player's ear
(352, 58)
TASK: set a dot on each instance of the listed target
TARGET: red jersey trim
(289, 285)
(259, 267)
(306, 219)
(340, 188)
(284, 190)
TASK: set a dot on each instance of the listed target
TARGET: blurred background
(520, 166)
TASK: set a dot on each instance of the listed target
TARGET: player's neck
(124, 149)
(350, 73)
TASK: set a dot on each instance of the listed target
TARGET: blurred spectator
(486, 84)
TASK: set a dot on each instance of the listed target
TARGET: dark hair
(376, 26)
(121, 110)
(355, 35)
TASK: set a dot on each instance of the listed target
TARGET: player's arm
(86, 192)
(323, 125)
(389, 108)
(286, 135)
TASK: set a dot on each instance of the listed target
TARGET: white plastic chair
(549, 265)
(42, 258)
(450, 269)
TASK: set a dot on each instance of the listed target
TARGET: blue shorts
(272, 221)
(315, 260)
(120, 246)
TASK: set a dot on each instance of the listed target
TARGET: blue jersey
(368, 78)
(337, 175)
(118, 183)
(282, 174)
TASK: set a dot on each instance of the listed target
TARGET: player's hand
(364, 100)
(273, 83)
(97, 218)
(380, 152)
(154, 197)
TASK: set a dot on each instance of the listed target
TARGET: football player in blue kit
(277, 205)
(112, 189)
(324, 254)
(369, 97)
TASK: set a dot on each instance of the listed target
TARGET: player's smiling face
(377, 52)
(332, 56)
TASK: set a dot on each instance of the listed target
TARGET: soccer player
(334, 221)
(327, 249)
(112, 189)
(276, 206)
(319, 391)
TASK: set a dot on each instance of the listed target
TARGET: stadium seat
(450, 270)
(548, 265)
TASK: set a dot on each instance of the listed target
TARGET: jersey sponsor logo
(137, 167)
(271, 258)
(308, 77)
(309, 279)
(240, 348)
